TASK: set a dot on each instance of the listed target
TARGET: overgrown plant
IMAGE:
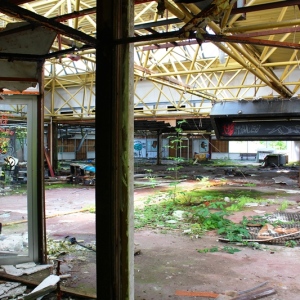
(291, 243)
(211, 220)
(283, 205)
(151, 177)
(226, 249)
(176, 144)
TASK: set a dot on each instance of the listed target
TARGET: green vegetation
(151, 177)
(291, 244)
(226, 249)
(283, 205)
(176, 145)
(203, 211)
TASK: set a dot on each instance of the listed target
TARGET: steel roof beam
(259, 7)
(157, 23)
(10, 9)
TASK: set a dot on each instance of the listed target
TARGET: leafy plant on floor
(234, 232)
(175, 143)
(206, 250)
(253, 245)
(217, 205)
(204, 211)
(151, 177)
(196, 230)
(215, 198)
(291, 244)
(211, 220)
(227, 249)
(154, 215)
(240, 202)
(283, 206)
(257, 220)
(57, 248)
(91, 209)
(250, 184)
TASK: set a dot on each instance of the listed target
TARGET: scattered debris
(271, 232)
(289, 191)
(227, 199)
(259, 211)
(235, 172)
(250, 294)
(26, 265)
(137, 252)
(171, 221)
(33, 283)
(73, 241)
(11, 289)
(284, 180)
(250, 204)
(12, 270)
(179, 214)
(47, 286)
(264, 292)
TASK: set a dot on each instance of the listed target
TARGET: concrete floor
(168, 263)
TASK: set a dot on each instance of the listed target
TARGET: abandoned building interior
(216, 71)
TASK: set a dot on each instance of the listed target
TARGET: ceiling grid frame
(205, 79)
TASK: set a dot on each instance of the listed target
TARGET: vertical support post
(209, 147)
(40, 190)
(114, 151)
(158, 149)
(54, 132)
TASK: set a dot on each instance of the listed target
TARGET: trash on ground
(284, 180)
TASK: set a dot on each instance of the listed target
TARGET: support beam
(114, 155)
(13, 10)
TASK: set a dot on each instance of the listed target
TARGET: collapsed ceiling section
(22, 51)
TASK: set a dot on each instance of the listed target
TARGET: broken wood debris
(196, 294)
(33, 283)
(258, 294)
(271, 231)
(268, 230)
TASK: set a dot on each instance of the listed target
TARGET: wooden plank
(196, 294)
(33, 283)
